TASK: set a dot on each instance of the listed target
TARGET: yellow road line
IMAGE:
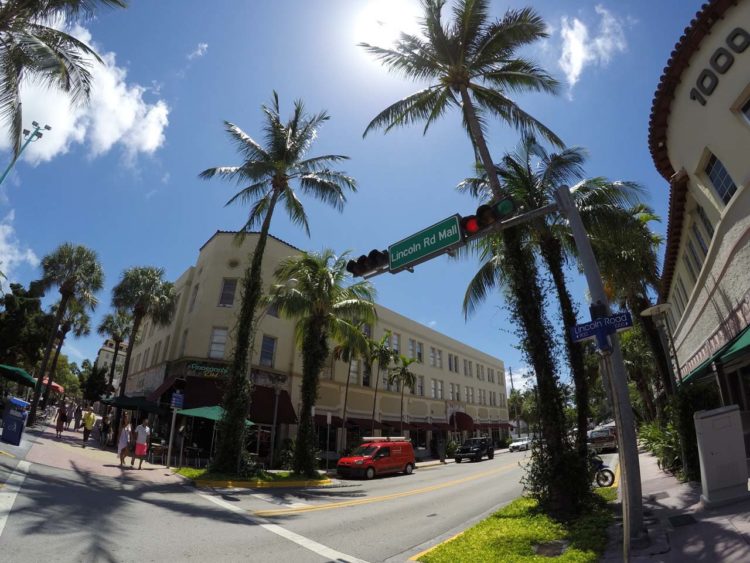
(429, 549)
(616, 482)
(330, 505)
(6, 453)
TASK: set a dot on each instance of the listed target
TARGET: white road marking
(278, 500)
(9, 492)
(307, 543)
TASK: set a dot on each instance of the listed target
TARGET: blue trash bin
(14, 419)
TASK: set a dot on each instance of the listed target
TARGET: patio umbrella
(55, 385)
(17, 374)
(214, 413)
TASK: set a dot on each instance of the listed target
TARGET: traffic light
(367, 264)
(486, 216)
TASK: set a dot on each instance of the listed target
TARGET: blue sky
(120, 175)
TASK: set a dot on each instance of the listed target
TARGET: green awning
(17, 374)
(731, 350)
(211, 413)
(133, 403)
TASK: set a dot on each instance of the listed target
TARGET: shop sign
(721, 61)
(207, 370)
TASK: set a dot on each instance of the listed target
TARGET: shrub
(450, 448)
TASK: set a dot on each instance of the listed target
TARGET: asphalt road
(63, 515)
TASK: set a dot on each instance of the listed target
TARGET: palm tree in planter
(115, 326)
(76, 320)
(311, 289)
(32, 50)
(351, 350)
(76, 271)
(267, 177)
(405, 378)
(144, 293)
(379, 354)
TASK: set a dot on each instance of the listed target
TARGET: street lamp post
(34, 135)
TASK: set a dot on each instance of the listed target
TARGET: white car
(519, 445)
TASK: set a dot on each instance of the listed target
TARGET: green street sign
(424, 245)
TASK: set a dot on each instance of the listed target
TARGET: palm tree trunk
(375, 401)
(53, 369)
(236, 399)
(314, 354)
(479, 142)
(137, 319)
(64, 298)
(643, 391)
(346, 400)
(114, 363)
(552, 253)
(402, 408)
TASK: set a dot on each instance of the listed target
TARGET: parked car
(474, 449)
(378, 456)
(520, 445)
(601, 439)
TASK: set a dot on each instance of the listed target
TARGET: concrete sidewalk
(68, 453)
(680, 528)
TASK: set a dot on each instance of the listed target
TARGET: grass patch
(274, 477)
(511, 533)
(608, 494)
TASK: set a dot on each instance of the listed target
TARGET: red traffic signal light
(486, 215)
(370, 263)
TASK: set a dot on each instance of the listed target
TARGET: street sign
(178, 399)
(605, 325)
(425, 244)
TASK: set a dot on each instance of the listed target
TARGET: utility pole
(34, 135)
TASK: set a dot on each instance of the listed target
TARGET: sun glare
(380, 22)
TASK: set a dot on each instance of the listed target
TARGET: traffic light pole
(626, 438)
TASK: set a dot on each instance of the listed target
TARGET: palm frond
(412, 109)
(295, 209)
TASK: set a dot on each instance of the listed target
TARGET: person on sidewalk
(77, 416)
(69, 412)
(106, 429)
(123, 443)
(89, 419)
(62, 418)
(142, 433)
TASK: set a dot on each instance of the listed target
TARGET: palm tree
(405, 378)
(349, 351)
(532, 175)
(266, 177)
(472, 63)
(115, 326)
(76, 271)
(33, 51)
(325, 309)
(144, 293)
(379, 353)
(77, 320)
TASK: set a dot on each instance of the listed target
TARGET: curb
(416, 556)
(211, 484)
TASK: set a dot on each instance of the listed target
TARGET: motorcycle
(603, 474)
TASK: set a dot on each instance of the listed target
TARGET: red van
(378, 456)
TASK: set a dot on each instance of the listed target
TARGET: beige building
(459, 389)
(700, 140)
(104, 359)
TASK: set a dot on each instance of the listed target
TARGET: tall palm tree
(76, 320)
(473, 63)
(31, 50)
(325, 309)
(352, 349)
(405, 378)
(380, 353)
(144, 293)
(267, 177)
(532, 175)
(115, 326)
(76, 271)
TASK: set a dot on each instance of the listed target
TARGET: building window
(433, 388)
(366, 375)
(165, 357)
(273, 310)
(420, 385)
(440, 358)
(228, 288)
(412, 348)
(138, 362)
(491, 375)
(706, 223)
(396, 343)
(433, 356)
(480, 372)
(458, 392)
(267, 350)
(440, 390)
(145, 358)
(218, 343)
(151, 329)
(466, 394)
(720, 179)
(193, 298)
(466, 367)
(697, 260)
(678, 301)
(690, 268)
(157, 349)
(471, 394)
(452, 391)
(183, 344)
(367, 330)
(420, 352)
(684, 293)
(699, 238)
(450, 361)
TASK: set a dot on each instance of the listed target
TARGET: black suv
(474, 449)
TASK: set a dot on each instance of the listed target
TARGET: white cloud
(12, 252)
(581, 48)
(200, 50)
(165, 178)
(432, 324)
(523, 378)
(117, 114)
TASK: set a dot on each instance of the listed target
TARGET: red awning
(55, 385)
(163, 388)
(461, 421)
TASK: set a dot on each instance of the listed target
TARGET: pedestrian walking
(69, 412)
(105, 430)
(142, 433)
(123, 442)
(77, 415)
(61, 419)
(89, 419)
